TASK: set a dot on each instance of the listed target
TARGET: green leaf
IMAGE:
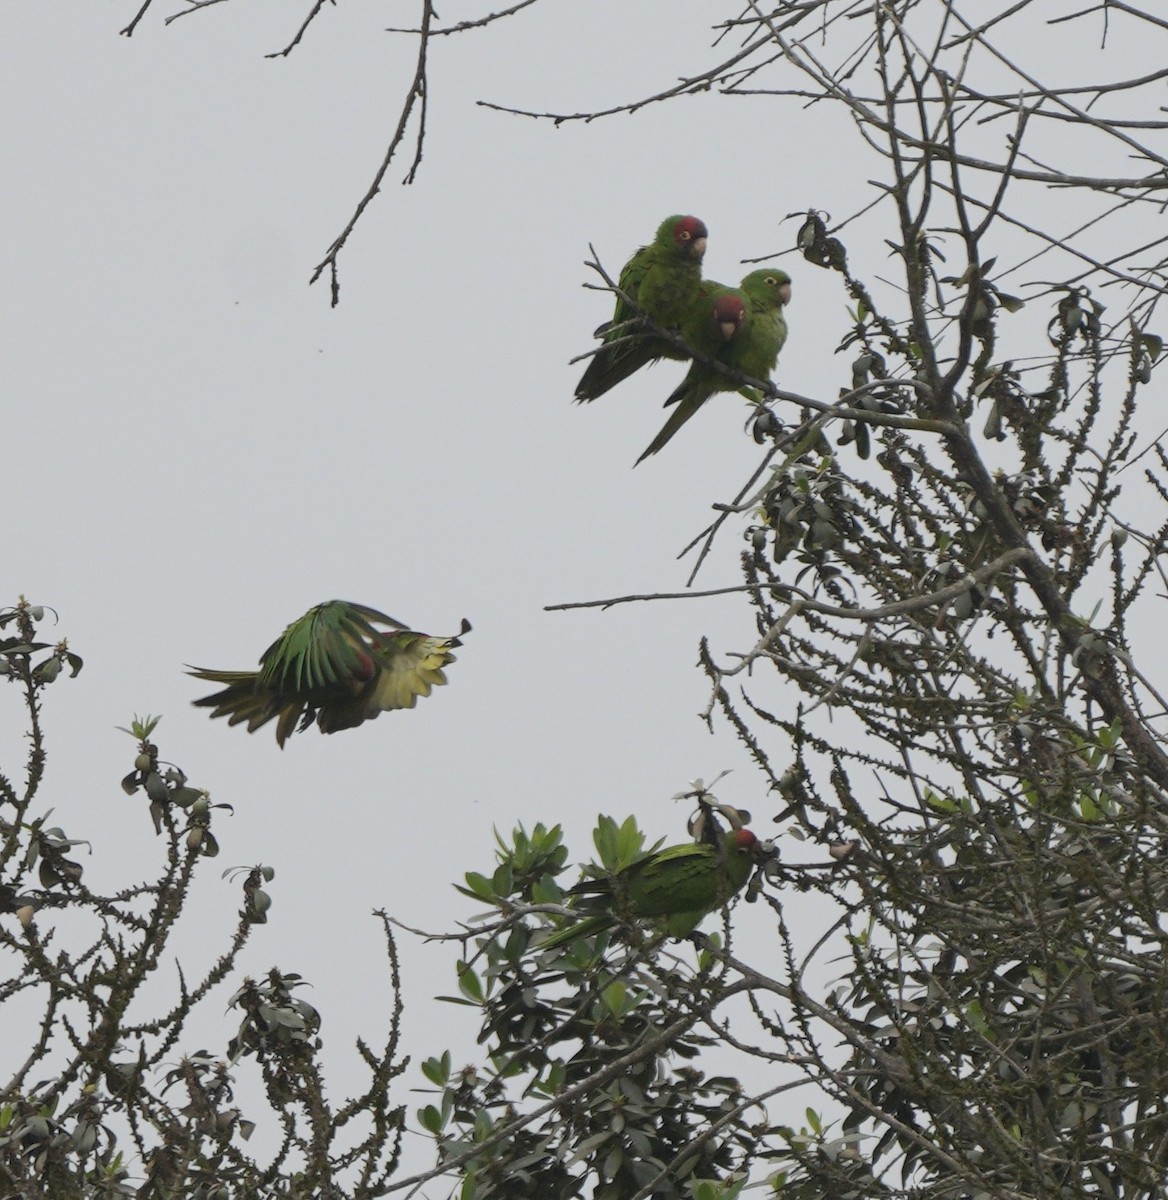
(437, 1070)
(48, 671)
(430, 1118)
(480, 885)
(156, 789)
(604, 838)
(1109, 736)
(614, 996)
(975, 1015)
(941, 803)
(547, 891)
(469, 983)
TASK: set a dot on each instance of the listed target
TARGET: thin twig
(416, 93)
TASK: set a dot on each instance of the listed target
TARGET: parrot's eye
(685, 235)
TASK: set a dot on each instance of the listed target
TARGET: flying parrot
(678, 885)
(742, 327)
(332, 666)
(660, 279)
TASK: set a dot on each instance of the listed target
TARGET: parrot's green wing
(752, 348)
(686, 879)
(676, 887)
(333, 666)
(325, 650)
(660, 280)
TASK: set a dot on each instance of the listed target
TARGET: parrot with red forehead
(660, 279)
(675, 887)
(332, 666)
(742, 327)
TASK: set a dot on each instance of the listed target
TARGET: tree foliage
(951, 570)
(945, 676)
(105, 1103)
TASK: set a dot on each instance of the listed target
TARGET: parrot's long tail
(581, 929)
(677, 419)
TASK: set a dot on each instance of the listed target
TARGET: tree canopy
(946, 978)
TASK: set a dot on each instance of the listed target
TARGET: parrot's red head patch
(744, 839)
(690, 235)
(729, 314)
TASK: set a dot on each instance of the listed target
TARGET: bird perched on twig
(743, 328)
(660, 279)
(675, 887)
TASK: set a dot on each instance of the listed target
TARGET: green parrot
(678, 884)
(749, 342)
(333, 667)
(660, 279)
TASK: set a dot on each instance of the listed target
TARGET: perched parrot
(660, 279)
(680, 884)
(332, 667)
(750, 343)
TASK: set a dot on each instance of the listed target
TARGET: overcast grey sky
(198, 448)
